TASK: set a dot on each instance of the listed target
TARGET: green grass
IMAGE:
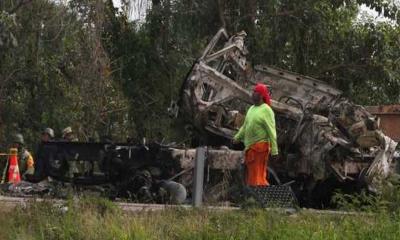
(101, 219)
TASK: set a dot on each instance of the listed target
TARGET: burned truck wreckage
(325, 140)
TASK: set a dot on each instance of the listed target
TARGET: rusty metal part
(389, 116)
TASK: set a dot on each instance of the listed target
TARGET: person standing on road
(258, 133)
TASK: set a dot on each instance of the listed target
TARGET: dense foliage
(86, 64)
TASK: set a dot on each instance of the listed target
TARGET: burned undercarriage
(322, 136)
(145, 173)
(136, 173)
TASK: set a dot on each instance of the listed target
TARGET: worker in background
(25, 159)
(47, 135)
(68, 135)
(41, 156)
(258, 133)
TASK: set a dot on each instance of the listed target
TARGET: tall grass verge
(92, 218)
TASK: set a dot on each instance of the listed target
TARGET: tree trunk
(221, 12)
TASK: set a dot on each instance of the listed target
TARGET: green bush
(386, 200)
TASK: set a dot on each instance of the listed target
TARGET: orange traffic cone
(13, 170)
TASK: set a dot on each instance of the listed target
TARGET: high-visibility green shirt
(259, 126)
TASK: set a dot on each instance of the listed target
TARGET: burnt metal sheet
(216, 158)
(309, 92)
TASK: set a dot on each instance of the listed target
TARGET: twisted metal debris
(321, 134)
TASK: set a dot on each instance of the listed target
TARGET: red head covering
(262, 89)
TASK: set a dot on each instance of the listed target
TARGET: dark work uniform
(41, 163)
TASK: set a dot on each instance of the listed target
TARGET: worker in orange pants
(256, 161)
(258, 133)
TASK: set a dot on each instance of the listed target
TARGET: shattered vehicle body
(322, 136)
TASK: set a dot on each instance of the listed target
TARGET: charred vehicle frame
(325, 140)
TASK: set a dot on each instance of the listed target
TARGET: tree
(87, 64)
(59, 75)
